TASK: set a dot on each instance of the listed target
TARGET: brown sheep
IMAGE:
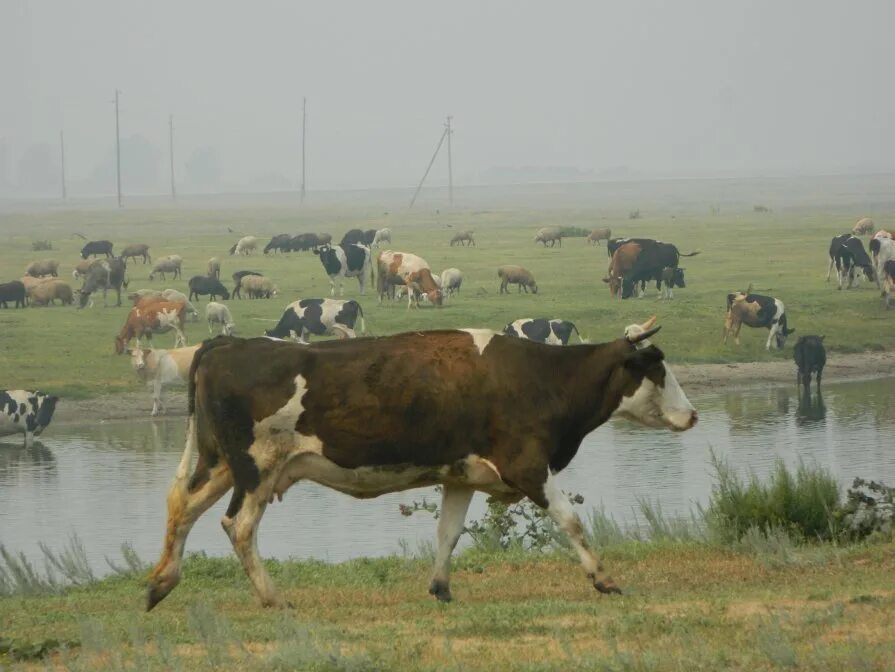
(864, 225)
(549, 234)
(81, 269)
(136, 250)
(169, 264)
(599, 234)
(42, 268)
(516, 275)
(462, 237)
(47, 292)
(214, 268)
(30, 283)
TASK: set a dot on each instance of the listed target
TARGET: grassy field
(688, 607)
(70, 352)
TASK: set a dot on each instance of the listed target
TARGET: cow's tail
(363, 324)
(578, 334)
(691, 254)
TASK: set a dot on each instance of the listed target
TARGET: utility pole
(304, 128)
(429, 167)
(171, 154)
(62, 159)
(117, 147)
(450, 162)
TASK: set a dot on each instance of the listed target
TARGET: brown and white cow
(462, 408)
(150, 317)
(756, 310)
(392, 268)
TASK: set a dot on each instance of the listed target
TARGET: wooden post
(428, 168)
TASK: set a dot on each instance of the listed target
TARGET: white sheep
(218, 313)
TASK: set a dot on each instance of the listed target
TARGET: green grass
(784, 252)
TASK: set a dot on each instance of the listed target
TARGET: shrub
(574, 232)
(40, 245)
(634, 214)
(761, 208)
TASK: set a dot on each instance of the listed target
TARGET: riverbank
(695, 378)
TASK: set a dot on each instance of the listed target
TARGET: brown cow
(461, 408)
(422, 283)
(392, 269)
(150, 317)
(599, 234)
(622, 261)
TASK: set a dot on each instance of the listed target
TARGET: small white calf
(158, 368)
(218, 313)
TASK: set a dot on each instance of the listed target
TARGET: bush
(40, 245)
(634, 214)
(805, 504)
(761, 208)
(574, 232)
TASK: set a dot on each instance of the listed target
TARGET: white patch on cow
(775, 328)
(659, 407)
(481, 337)
(275, 435)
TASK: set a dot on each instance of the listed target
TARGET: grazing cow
(144, 297)
(97, 247)
(202, 284)
(423, 283)
(178, 296)
(218, 313)
(46, 293)
(847, 253)
(614, 243)
(159, 317)
(12, 291)
(810, 357)
(25, 412)
(755, 310)
(345, 261)
(81, 268)
(161, 368)
(392, 271)
(516, 275)
(864, 225)
(136, 250)
(104, 274)
(623, 259)
(649, 264)
(214, 268)
(382, 236)
(461, 408)
(320, 317)
(245, 246)
(599, 234)
(237, 280)
(889, 280)
(549, 234)
(170, 264)
(43, 268)
(258, 287)
(279, 243)
(463, 238)
(451, 279)
(671, 278)
(882, 249)
(551, 332)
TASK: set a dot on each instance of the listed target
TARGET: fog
(538, 91)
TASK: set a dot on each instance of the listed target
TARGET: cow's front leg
(29, 438)
(454, 504)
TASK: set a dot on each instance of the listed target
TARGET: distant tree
(140, 165)
(38, 172)
(203, 168)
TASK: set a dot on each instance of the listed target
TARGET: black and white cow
(847, 253)
(25, 412)
(810, 356)
(321, 317)
(542, 330)
(346, 261)
(756, 310)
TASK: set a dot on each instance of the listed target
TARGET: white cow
(882, 249)
(158, 368)
(218, 313)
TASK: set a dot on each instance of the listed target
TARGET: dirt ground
(693, 377)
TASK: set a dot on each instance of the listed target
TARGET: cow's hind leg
(454, 504)
(186, 502)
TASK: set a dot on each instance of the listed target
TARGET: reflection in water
(108, 482)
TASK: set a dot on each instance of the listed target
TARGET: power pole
(117, 148)
(304, 128)
(429, 167)
(450, 162)
(171, 154)
(62, 158)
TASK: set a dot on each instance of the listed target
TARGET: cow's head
(83, 298)
(225, 293)
(232, 251)
(677, 277)
(651, 394)
(46, 407)
(615, 284)
(869, 273)
(120, 345)
(782, 332)
(138, 358)
(533, 287)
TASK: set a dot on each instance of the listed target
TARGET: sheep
(245, 245)
(214, 268)
(170, 264)
(864, 225)
(42, 268)
(47, 292)
(516, 275)
(258, 286)
(597, 235)
(218, 313)
(549, 234)
(30, 282)
(136, 250)
(175, 295)
(158, 368)
(382, 236)
(451, 279)
(462, 237)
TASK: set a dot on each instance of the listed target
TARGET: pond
(107, 483)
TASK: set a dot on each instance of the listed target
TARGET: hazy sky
(673, 88)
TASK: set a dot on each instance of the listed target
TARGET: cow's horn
(642, 336)
(646, 326)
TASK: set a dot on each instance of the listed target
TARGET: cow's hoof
(441, 591)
